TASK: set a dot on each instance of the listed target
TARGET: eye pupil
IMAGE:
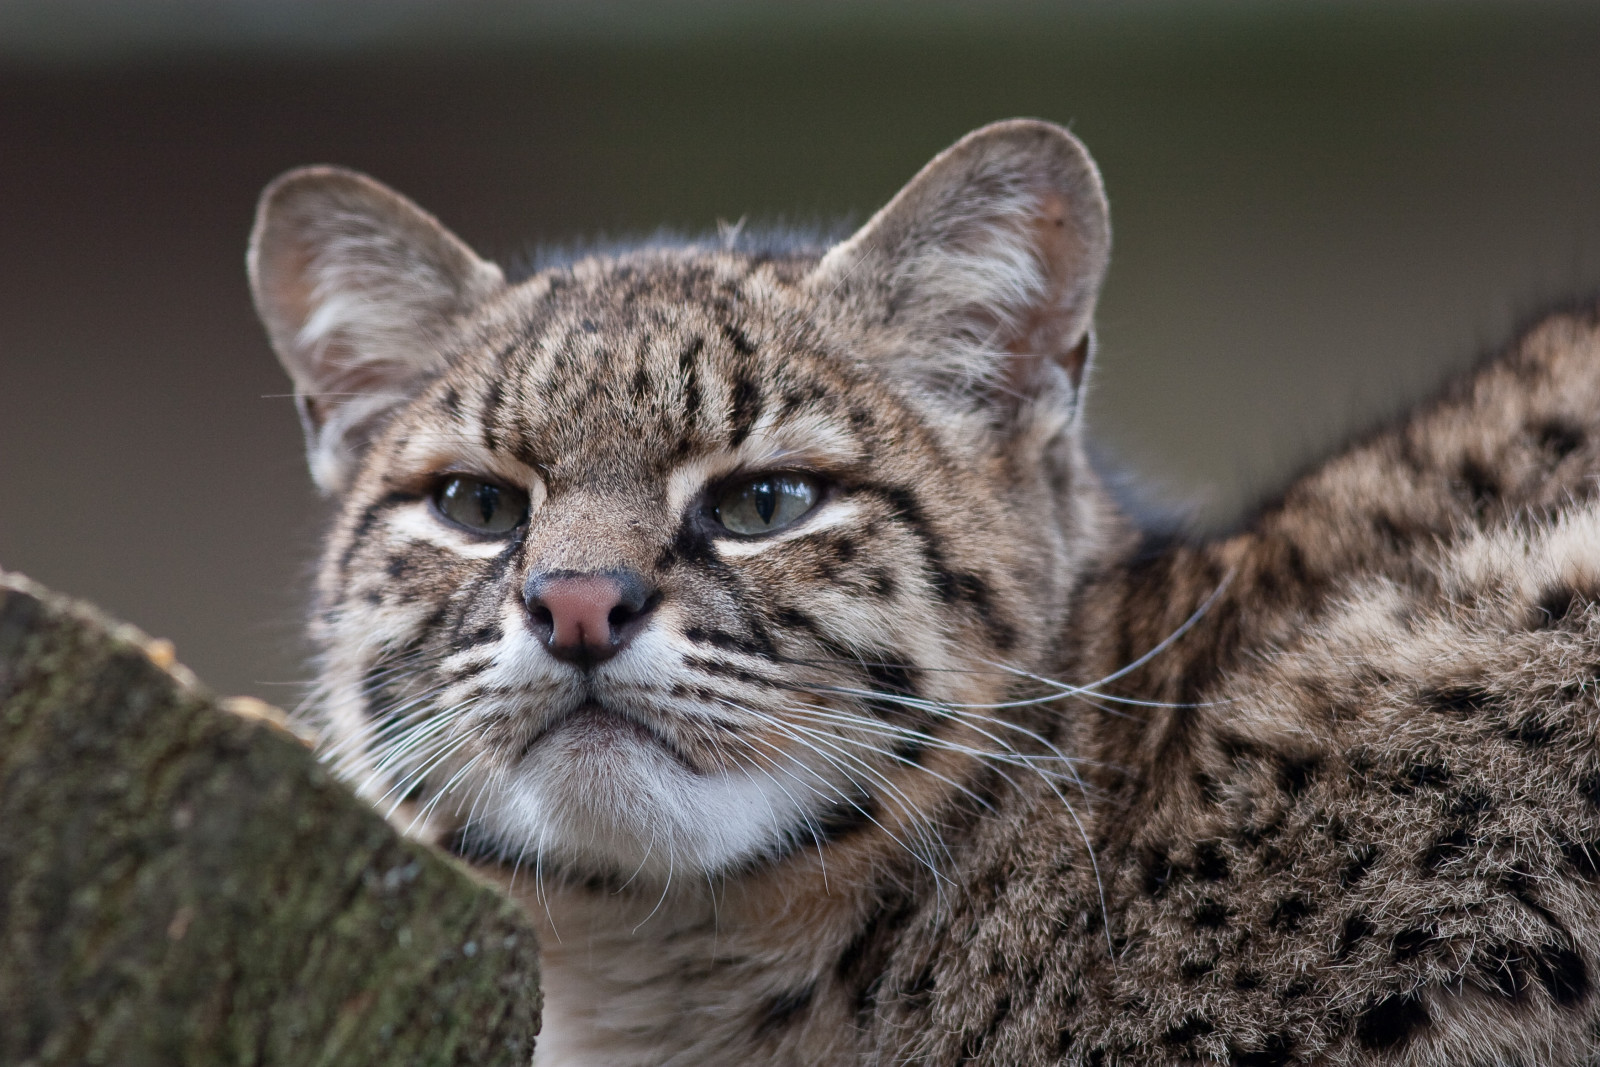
(763, 505)
(764, 495)
(488, 502)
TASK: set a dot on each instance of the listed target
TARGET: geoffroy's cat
(754, 616)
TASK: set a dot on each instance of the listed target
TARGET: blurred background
(1320, 209)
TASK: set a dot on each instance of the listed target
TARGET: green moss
(181, 885)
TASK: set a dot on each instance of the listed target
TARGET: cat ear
(358, 289)
(979, 278)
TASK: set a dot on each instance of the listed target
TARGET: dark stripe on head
(746, 401)
(369, 519)
(753, 645)
(740, 342)
(493, 399)
(952, 586)
(688, 366)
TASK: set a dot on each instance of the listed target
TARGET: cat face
(691, 560)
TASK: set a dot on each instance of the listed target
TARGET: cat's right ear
(359, 290)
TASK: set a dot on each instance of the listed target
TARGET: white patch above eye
(419, 524)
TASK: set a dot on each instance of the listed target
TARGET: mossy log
(182, 883)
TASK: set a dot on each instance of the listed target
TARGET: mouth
(592, 726)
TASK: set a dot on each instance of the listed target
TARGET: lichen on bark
(184, 884)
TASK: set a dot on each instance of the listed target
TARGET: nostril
(630, 609)
(541, 616)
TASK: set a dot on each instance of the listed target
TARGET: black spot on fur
(486, 634)
(1246, 980)
(1562, 973)
(1502, 970)
(1407, 944)
(1480, 485)
(1590, 787)
(1209, 862)
(881, 582)
(1357, 928)
(997, 1018)
(1290, 912)
(1584, 856)
(1450, 845)
(918, 992)
(1211, 914)
(784, 1010)
(740, 342)
(1559, 438)
(1158, 871)
(860, 965)
(1194, 970)
(1532, 731)
(1554, 605)
(1458, 699)
(1188, 1028)
(1295, 775)
(1391, 1022)
(1360, 863)
(1276, 1051)
(1426, 774)
(1471, 803)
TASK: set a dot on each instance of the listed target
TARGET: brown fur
(1325, 790)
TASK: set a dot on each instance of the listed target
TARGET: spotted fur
(962, 767)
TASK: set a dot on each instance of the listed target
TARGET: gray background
(1320, 209)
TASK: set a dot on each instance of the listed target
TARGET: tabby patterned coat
(755, 617)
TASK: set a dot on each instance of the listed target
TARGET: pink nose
(586, 618)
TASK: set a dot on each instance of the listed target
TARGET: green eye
(481, 507)
(767, 503)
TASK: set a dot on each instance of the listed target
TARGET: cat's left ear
(980, 277)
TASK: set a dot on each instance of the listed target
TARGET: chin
(601, 796)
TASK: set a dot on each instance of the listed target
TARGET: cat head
(689, 559)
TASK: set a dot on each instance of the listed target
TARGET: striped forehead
(601, 392)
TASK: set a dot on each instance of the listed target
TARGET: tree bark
(182, 883)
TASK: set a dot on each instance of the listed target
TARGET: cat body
(757, 620)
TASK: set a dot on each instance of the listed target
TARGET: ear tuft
(359, 290)
(981, 275)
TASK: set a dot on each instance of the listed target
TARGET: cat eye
(766, 503)
(481, 507)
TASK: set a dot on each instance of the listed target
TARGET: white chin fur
(612, 801)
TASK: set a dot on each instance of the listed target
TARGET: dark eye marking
(480, 507)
